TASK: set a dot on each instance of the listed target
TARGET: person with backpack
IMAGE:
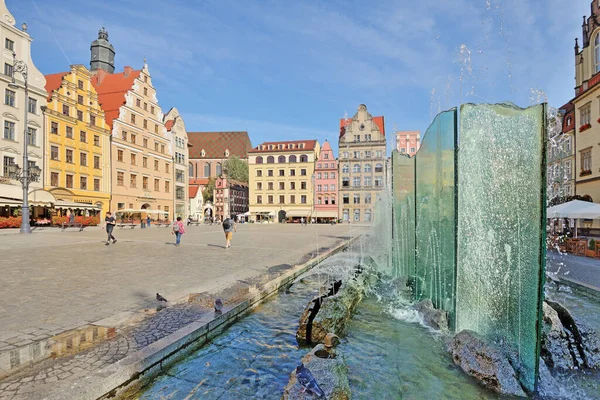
(228, 227)
(178, 230)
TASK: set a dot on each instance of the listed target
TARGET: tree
(207, 193)
(237, 169)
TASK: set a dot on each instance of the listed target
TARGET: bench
(66, 225)
(124, 225)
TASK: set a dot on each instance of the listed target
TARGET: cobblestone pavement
(582, 269)
(103, 296)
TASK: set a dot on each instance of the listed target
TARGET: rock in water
(484, 362)
(437, 319)
(556, 341)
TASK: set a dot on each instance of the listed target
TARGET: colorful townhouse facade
(408, 142)
(179, 142)
(326, 186)
(77, 145)
(230, 198)
(16, 105)
(362, 164)
(141, 147)
(281, 178)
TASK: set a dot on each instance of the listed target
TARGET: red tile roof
(193, 191)
(215, 144)
(199, 181)
(169, 124)
(379, 121)
(264, 147)
(111, 90)
(53, 82)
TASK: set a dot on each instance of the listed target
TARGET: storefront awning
(41, 197)
(141, 210)
(298, 213)
(9, 202)
(65, 205)
(325, 214)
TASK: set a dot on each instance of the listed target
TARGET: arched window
(356, 168)
(367, 215)
(219, 169)
(303, 158)
(259, 160)
(270, 160)
(206, 170)
(281, 159)
(346, 168)
(379, 168)
(597, 53)
(367, 167)
(191, 170)
(292, 159)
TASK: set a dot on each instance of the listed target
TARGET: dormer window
(203, 153)
(226, 152)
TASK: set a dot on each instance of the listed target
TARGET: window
(83, 183)
(357, 138)
(32, 136)
(270, 160)
(357, 198)
(281, 172)
(180, 193)
(319, 200)
(597, 53)
(96, 140)
(145, 182)
(83, 136)
(32, 106)
(145, 143)
(303, 172)
(318, 175)
(146, 106)
(368, 154)
(80, 99)
(155, 146)
(258, 185)
(270, 172)
(80, 85)
(356, 168)
(379, 154)
(368, 181)
(124, 135)
(357, 215)
(281, 199)
(346, 199)
(379, 168)
(378, 181)
(412, 149)
(568, 144)
(157, 184)
(270, 199)
(152, 110)
(162, 148)
(54, 153)
(167, 167)
(319, 188)
(567, 169)
(219, 169)
(367, 167)
(281, 159)
(156, 165)
(345, 168)
(138, 102)
(333, 187)
(133, 157)
(9, 44)
(403, 150)
(302, 185)
(83, 159)
(8, 161)
(293, 185)
(567, 190)
(9, 97)
(367, 198)
(293, 199)
(120, 178)
(325, 188)
(168, 187)
(333, 175)
(356, 181)
(69, 182)
(326, 156)
(345, 182)
(53, 178)
(270, 185)
(259, 199)
(93, 120)
(155, 128)
(145, 124)
(292, 159)
(332, 199)
(8, 69)
(65, 109)
(292, 172)
(120, 155)
(303, 158)
(326, 175)
(133, 138)
(69, 132)
(259, 160)
(303, 199)
(356, 154)
(54, 128)
(96, 184)
(133, 118)
(69, 156)
(281, 185)
(97, 162)
(258, 172)
(586, 161)
(133, 180)
(368, 215)
(345, 154)
(206, 170)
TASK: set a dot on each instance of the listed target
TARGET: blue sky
(286, 70)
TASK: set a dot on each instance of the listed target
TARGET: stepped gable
(111, 89)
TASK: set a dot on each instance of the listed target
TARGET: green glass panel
(435, 272)
(500, 232)
(403, 203)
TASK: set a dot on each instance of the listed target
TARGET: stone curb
(129, 374)
(584, 287)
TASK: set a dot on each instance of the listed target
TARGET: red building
(230, 198)
(408, 142)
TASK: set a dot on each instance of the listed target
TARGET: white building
(13, 110)
(196, 203)
(179, 141)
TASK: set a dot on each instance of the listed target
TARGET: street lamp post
(29, 174)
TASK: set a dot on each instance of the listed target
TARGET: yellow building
(281, 180)
(77, 144)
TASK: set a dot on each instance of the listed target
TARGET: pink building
(408, 142)
(326, 190)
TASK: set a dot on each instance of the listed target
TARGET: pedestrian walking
(302, 221)
(110, 225)
(228, 227)
(148, 221)
(189, 221)
(178, 230)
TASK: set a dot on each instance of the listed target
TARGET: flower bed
(10, 222)
(85, 221)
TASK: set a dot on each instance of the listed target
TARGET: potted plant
(591, 249)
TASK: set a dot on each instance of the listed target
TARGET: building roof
(169, 124)
(214, 144)
(292, 145)
(53, 82)
(193, 191)
(379, 121)
(111, 89)
(200, 181)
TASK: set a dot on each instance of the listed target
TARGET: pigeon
(160, 298)
(308, 381)
(218, 306)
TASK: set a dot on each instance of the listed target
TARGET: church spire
(103, 53)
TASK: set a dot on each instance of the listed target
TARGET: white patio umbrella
(575, 209)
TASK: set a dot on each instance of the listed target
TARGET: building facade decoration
(408, 142)
(77, 155)
(362, 159)
(326, 186)
(179, 142)
(281, 180)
